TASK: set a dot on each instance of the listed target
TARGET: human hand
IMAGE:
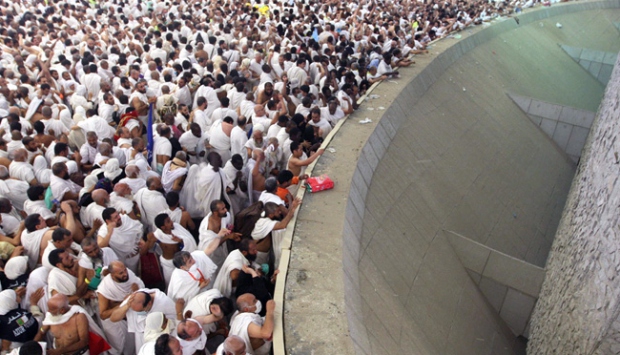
(97, 223)
(36, 296)
(204, 283)
(249, 270)
(223, 232)
(134, 287)
(17, 251)
(111, 225)
(20, 291)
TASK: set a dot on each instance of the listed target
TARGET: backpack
(170, 106)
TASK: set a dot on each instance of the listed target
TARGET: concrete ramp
(598, 63)
(567, 126)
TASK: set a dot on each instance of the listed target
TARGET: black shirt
(18, 326)
(8, 284)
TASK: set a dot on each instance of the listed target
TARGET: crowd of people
(150, 152)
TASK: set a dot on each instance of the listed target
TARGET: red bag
(319, 183)
(96, 344)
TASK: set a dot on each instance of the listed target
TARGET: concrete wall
(579, 306)
(446, 151)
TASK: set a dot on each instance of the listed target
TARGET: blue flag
(149, 135)
(315, 34)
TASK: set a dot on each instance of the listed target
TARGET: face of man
(189, 262)
(124, 131)
(92, 141)
(196, 132)
(238, 164)
(175, 346)
(252, 252)
(168, 225)
(333, 105)
(56, 310)
(65, 174)
(184, 110)
(221, 210)
(298, 152)
(156, 184)
(93, 251)
(316, 117)
(32, 146)
(141, 87)
(124, 190)
(251, 299)
(42, 223)
(259, 110)
(110, 100)
(66, 242)
(116, 218)
(67, 260)
(120, 274)
(258, 136)
(192, 329)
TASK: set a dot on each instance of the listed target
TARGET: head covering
(81, 90)
(152, 327)
(259, 127)
(72, 167)
(89, 184)
(294, 83)
(112, 169)
(8, 301)
(16, 267)
(79, 115)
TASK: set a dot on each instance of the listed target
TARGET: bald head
(132, 171)
(46, 111)
(58, 304)
(234, 345)
(256, 153)
(101, 197)
(122, 189)
(115, 265)
(20, 155)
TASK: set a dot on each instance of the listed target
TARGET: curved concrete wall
(579, 307)
(450, 159)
